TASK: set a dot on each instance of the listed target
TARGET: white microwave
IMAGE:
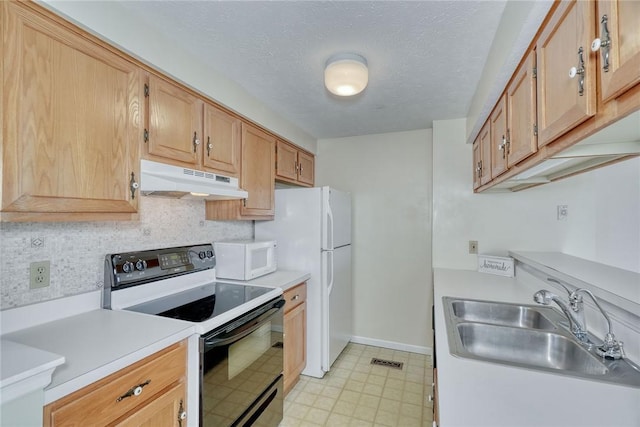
(244, 259)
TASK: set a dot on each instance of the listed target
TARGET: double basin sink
(527, 336)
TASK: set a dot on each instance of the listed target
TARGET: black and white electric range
(240, 327)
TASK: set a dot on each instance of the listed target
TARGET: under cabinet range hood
(159, 179)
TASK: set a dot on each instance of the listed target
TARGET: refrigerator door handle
(328, 231)
(329, 271)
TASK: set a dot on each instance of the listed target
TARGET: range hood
(616, 142)
(159, 179)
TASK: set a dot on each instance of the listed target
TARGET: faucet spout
(576, 322)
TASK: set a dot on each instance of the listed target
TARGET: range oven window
(237, 367)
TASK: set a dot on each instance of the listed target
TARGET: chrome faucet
(573, 311)
(610, 348)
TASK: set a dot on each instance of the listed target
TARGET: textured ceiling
(425, 57)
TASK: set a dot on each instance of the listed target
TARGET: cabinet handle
(295, 297)
(209, 146)
(295, 165)
(182, 414)
(196, 141)
(134, 391)
(301, 168)
(573, 71)
(479, 169)
(503, 147)
(604, 43)
(133, 185)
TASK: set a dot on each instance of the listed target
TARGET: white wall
(389, 176)
(604, 211)
(112, 23)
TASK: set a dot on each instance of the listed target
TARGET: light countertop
(98, 343)
(477, 393)
(24, 369)
(283, 279)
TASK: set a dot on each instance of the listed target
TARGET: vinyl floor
(357, 393)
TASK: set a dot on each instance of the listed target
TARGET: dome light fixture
(346, 74)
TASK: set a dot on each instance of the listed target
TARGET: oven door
(239, 363)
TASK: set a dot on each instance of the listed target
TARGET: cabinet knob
(604, 43)
(573, 71)
(295, 297)
(209, 146)
(133, 391)
(196, 141)
(133, 185)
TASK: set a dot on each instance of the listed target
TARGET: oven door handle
(243, 331)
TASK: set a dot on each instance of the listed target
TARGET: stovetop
(179, 283)
(203, 302)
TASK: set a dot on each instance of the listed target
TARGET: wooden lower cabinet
(295, 334)
(150, 392)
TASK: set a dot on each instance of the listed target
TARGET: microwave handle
(242, 332)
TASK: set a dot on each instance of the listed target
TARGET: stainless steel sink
(523, 316)
(530, 337)
(528, 347)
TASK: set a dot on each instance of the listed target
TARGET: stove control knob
(141, 265)
(127, 267)
(202, 255)
(209, 254)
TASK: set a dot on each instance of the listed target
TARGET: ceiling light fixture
(346, 74)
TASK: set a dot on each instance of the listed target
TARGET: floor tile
(357, 393)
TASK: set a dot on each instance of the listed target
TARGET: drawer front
(112, 397)
(295, 296)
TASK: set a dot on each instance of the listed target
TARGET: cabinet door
(485, 151)
(477, 162)
(306, 171)
(70, 123)
(175, 124)
(295, 345)
(521, 104)
(498, 137)
(258, 171)
(565, 102)
(221, 137)
(621, 19)
(167, 410)
(286, 161)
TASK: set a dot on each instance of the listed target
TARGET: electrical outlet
(473, 246)
(39, 273)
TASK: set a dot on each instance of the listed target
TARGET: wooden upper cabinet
(306, 170)
(619, 57)
(286, 161)
(294, 165)
(498, 137)
(521, 119)
(70, 111)
(477, 164)
(174, 124)
(258, 172)
(257, 177)
(564, 50)
(482, 157)
(485, 150)
(221, 138)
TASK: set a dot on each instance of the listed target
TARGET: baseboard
(392, 345)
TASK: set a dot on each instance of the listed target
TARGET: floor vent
(388, 363)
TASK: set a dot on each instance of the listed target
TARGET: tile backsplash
(76, 250)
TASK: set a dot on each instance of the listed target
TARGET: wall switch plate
(39, 274)
(473, 246)
(563, 212)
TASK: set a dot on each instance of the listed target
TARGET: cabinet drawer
(99, 402)
(295, 296)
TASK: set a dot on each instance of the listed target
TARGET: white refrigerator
(312, 229)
